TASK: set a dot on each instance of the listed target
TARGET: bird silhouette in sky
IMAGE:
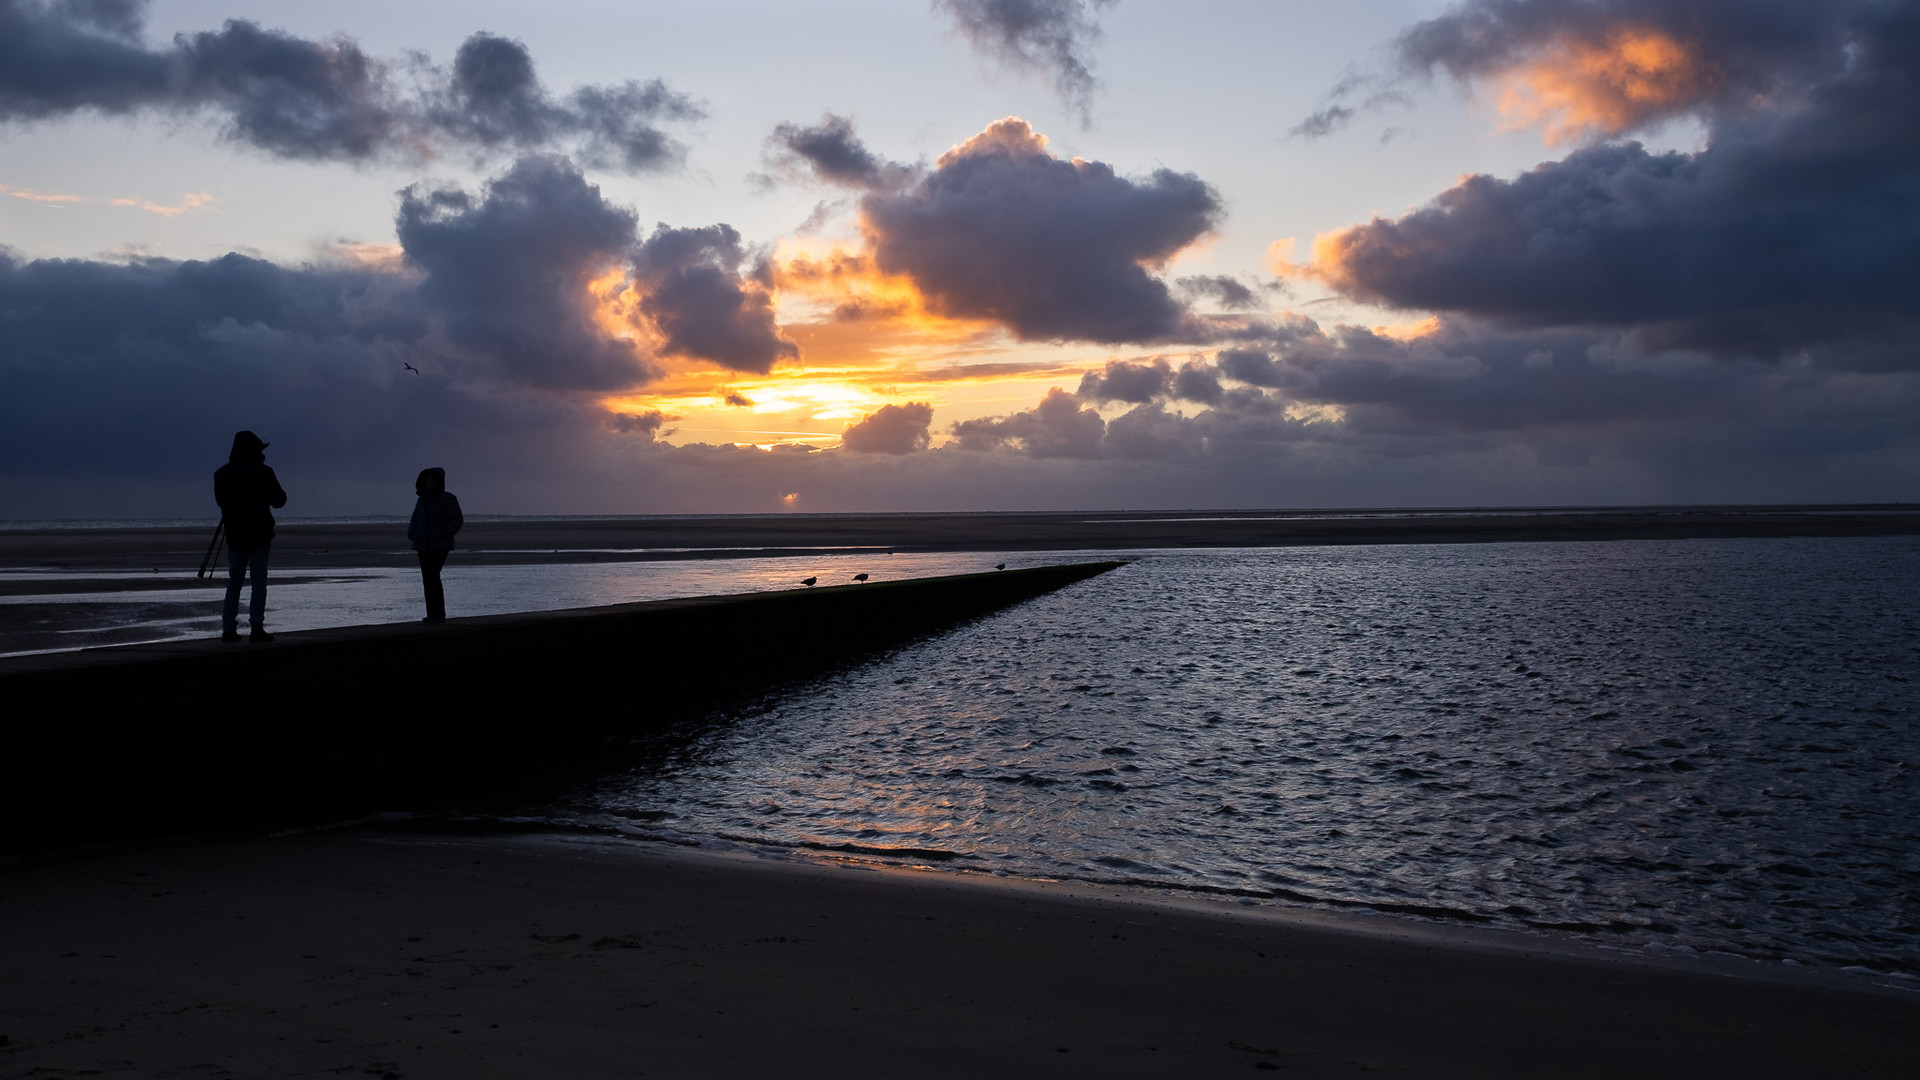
(808, 582)
(409, 367)
(860, 577)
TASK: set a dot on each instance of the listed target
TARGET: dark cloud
(120, 375)
(1256, 368)
(1197, 383)
(507, 274)
(1567, 403)
(650, 424)
(1149, 431)
(833, 153)
(1792, 230)
(891, 429)
(494, 99)
(1223, 289)
(1581, 68)
(1053, 37)
(1122, 380)
(321, 100)
(1058, 427)
(695, 293)
(57, 58)
(289, 96)
(1055, 250)
(1647, 60)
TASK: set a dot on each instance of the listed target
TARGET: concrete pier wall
(318, 725)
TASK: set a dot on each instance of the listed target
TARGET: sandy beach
(387, 954)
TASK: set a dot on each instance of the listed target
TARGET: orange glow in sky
(1581, 88)
(866, 340)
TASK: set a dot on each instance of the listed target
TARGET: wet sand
(313, 546)
(366, 954)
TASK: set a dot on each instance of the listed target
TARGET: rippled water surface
(1700, 744)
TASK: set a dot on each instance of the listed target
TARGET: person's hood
(246, 447)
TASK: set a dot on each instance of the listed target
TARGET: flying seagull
(409, 367)
(808, 582)
(859, 577)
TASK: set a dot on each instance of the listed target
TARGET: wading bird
(808, 582)
(860, 577)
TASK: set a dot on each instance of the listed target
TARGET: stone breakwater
(148, 740)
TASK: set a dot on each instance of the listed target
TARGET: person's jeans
(239, 565)
(430, 564)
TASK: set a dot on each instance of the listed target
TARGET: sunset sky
(634, 257)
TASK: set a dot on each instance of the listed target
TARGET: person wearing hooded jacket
(436, 517)
(248, 493)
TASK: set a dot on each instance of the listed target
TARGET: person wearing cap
(248, 493)
(436, 517)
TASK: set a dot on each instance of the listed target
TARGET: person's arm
(413, 526)
(454, 520)
(277, 497)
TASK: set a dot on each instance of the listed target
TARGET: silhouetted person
(436, 517)
(248, 494)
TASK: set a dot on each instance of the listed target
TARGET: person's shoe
(259, 635)
(229, 635)
(435, 619)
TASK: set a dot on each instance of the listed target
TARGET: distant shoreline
(338, 544)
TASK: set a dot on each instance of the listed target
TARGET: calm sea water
(1703, 745)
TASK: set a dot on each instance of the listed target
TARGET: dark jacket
(247, 492)
(436, 517)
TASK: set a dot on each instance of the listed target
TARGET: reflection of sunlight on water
(311, 600)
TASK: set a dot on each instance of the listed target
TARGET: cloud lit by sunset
(1577, 88)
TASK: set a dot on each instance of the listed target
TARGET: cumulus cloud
(1001, 229)
(891, 429)
(1051, 37)
(508, 273)
(1792, 230)
(1122, 380)
(695, 293)
(321, 100)
(1057, 427)
(521, 305)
